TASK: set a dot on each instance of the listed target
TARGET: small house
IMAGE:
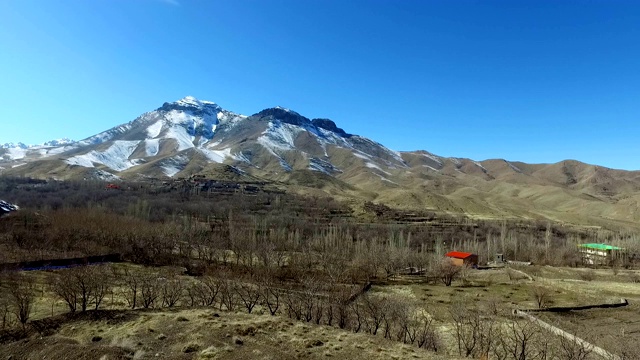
(600, 254)
(460, 258)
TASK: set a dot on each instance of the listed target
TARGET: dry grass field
(210, 333)
(204, 333)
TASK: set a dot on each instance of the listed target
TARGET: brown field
(210, 333)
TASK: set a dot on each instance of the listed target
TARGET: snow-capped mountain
(182, 137)
(18, 151)
(191, 136)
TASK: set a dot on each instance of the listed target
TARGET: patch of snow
(59, 142)
(513, 167)
(374, 166)
(285, 165)
(387, 180)
(282, 108)
(14, 145)
(239, 170)
(152, 146)
(317, 167)
(322, 166)
(434, 158)
(59, 150)
(395, 154)
(80, 160)
(174, 165)
(18, 165)
(279, 136)
(217, 156)
(185, 122)
(106, 135)
(154, 130)
(192, 101)
(105, 175)
(429, 167)
(115, 157)
(229, 119)
(361, 155)
(16, 153)
(185, 141)
(480, 166)
(7, 207)
(240, 157)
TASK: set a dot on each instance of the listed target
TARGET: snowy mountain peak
(193, 106)
(283, 108)
(192, 101)
(14, 145)
(58, 142)
(51, 143)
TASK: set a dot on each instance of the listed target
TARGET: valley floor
(210, 333)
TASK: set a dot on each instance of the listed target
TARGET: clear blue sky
(535, 81)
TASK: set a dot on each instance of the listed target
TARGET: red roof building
(462, 258)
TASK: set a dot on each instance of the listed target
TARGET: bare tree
(130, 282)
(474, 332)
(521, 340)
(204, 292)
(376, 308)
(541, 296)
(426, 336)
(22, 296)
(359, 315)
(248, 294)
(308, 297)
(570, 349)
(82, 286)
(271, 295)
(149, 290)
(319, 309)
(340, 306)
(293, 305)
(65, 288)
(446, 271)
(101, 285)
(6, 312)
(401, 314)
(228, 294)
(171, 291)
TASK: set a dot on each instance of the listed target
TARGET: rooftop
(458, 254)
(599, 246)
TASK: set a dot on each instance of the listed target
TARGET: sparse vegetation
(588, 275)
(291, 260)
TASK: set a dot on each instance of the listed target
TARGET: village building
(460, 258)
(600, 254)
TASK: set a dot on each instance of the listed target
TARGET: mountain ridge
(188, 136)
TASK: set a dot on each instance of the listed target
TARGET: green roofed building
(600, 254)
